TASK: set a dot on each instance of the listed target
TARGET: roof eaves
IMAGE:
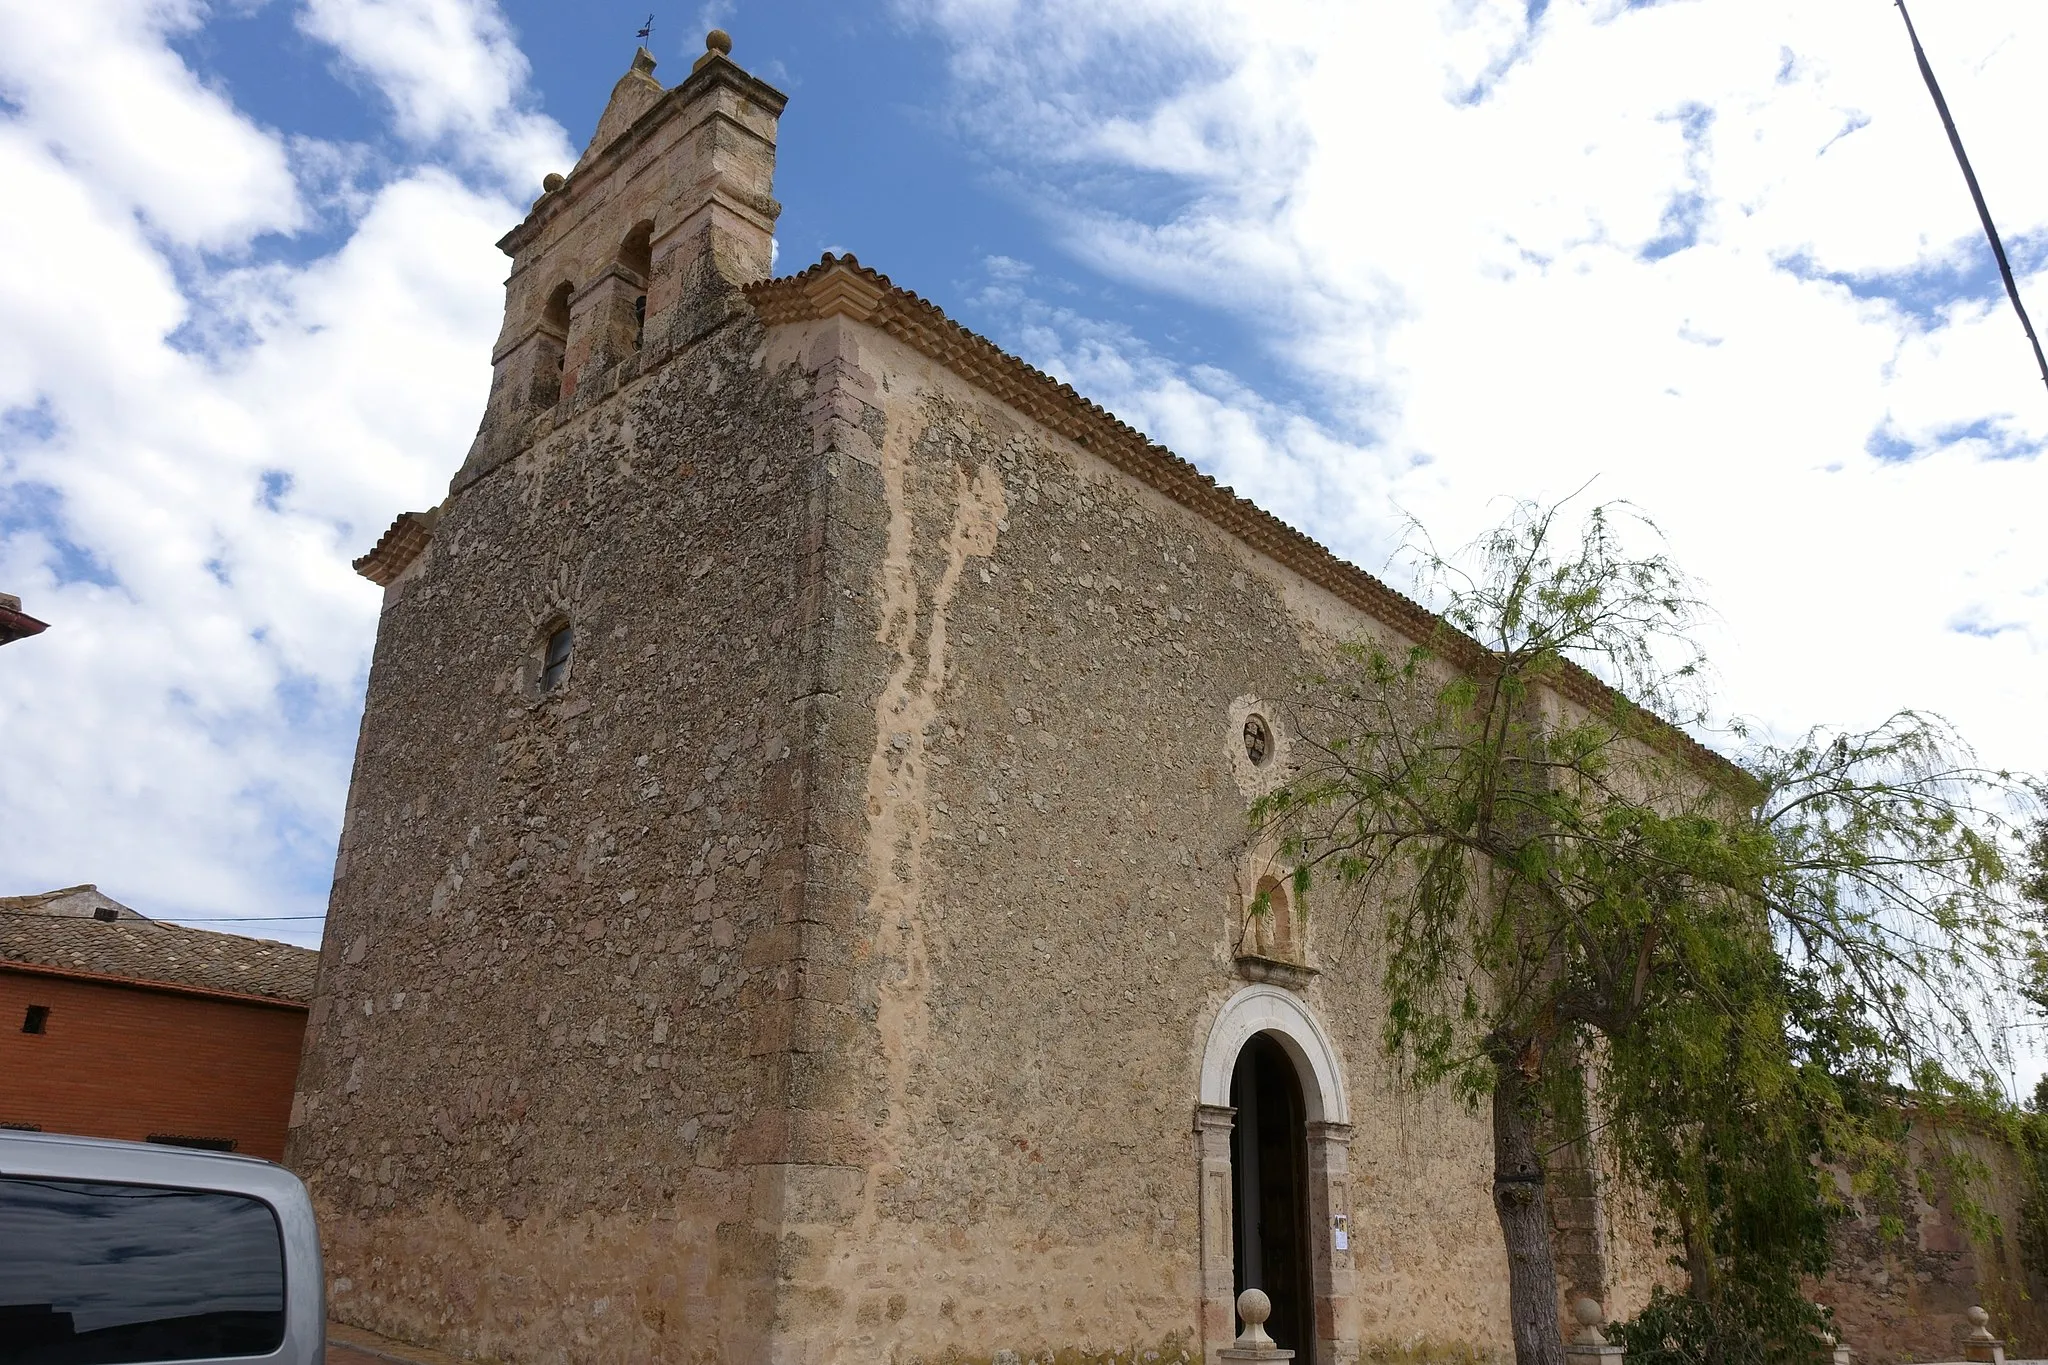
(159, 954)
(145, 983)
(16, 624)
(398, 547)
(842, 286)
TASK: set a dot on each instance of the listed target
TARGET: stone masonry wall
(1902, 1298)
(546, 1044)
(1038, 672)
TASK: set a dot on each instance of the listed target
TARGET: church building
(795, 901)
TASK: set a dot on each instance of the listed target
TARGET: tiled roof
(842, 286)
(145, 950)
(16, 624)
(399, 546)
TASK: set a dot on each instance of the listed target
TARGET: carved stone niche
(1270, 943)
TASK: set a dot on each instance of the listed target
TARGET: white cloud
(1622, 242)
(196, 443)
(454, 76)
(99, 84)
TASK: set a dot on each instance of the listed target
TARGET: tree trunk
(1699, 1262)
(1524, 1221)
(1700, 1281)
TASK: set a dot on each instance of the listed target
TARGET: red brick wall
(124, 1063)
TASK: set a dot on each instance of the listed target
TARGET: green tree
(1570, 903)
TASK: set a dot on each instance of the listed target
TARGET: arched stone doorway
(1268, 1067)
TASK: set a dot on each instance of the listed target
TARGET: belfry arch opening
(636, 254)
(1269, 1190)
(554, 338)
(554, 314)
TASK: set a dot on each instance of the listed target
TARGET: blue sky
(874, 159)
(1362, 261)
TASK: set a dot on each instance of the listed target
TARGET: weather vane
(646, 31)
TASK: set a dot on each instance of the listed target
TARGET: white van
(120, 1253)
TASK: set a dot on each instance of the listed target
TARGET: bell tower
(642, 248)
(552, 1084)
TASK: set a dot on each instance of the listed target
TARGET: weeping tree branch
(1750, 951)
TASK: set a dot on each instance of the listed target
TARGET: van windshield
(95, 1273)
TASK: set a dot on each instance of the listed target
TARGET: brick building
(116, 1025)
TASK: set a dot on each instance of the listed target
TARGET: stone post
(715, 230)
(1253, 1344)
(1590, 1346)
(1838, 1353)
(1980, 1345)
(603, 325)
(1329, 1218)
(1213, 1123)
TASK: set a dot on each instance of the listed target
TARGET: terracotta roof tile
(16, 624)
(146, 950)
(399, 546)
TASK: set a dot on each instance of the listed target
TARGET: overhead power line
(167, 919)
(233, 919)
(1955, 140)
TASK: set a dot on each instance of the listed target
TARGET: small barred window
(1258, 740)
(554, 668)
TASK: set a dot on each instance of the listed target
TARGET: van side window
(95, 1273)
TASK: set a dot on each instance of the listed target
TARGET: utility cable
(1955, 140)
(163, 919)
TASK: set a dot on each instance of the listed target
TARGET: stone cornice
(708, 75)
(843, 287)
(16, 624)
(398, 547)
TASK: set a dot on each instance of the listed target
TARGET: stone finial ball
(1254, 1307)
(719, 41)
(1588, 1312)
(1977, 1316)
(552, 181)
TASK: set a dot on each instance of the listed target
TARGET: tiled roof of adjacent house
(132, 948)
(841, 285)
(85, 900)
